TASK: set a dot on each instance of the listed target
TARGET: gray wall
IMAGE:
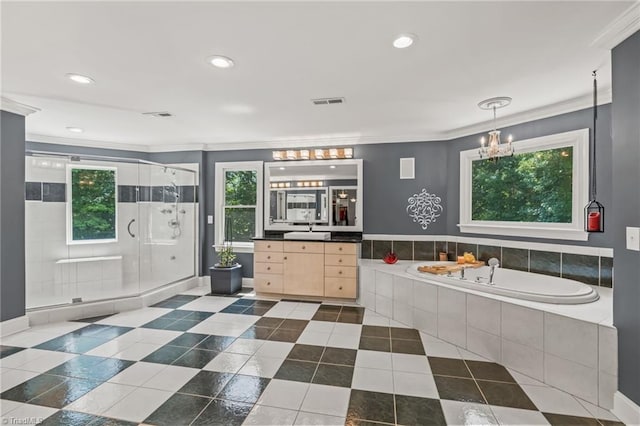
(548, 126)
(12, 259)
(626, 195)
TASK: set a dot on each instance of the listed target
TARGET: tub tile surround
(560, 261)
(570, 347)
(56, 192)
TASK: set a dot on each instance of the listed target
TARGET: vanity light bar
(308, 183)
(280, 185)
(313, 154)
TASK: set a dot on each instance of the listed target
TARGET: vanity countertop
(334, 239)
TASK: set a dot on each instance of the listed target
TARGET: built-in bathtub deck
(571, 347)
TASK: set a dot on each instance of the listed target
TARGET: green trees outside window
(240, 199)
(93, 204)
(528, 187)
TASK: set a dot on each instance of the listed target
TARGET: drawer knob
(268, 245)
(304, 247)
(268, 282)
(339, 248)
(268, 268)
(339, 260)
(339, 272)
(285, 258)
(268, 257)
(340, 288)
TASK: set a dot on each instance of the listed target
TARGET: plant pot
(226, 280)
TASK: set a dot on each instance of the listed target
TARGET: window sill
(522, 231)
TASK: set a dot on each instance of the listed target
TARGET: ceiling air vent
(158, 114)
(327, 101)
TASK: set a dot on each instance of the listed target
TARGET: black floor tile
(198, 315)
(329, 308)
(244, 302)
(269, 322)
(254, 332)
(413, 411)
(413, 347)
(32, 388)
(375, 344)
(105, 421)
(265, 303)
(206, 383)
(176, 314)
(373, 406)
(325, 316)
(188, 340)
(282, 335)
(333, 375)
(182, 325)
(449, 367)
(178, 410)
(563, 420)
(293, 324)
(610, 423)
(297, 371)
(350, 318)
(93, 319)
(376, 331)
(352, 310)
(9, 350)
(166, 354)
(235, 309)
(405, 333)
(65, 393)
(229, 413)
(306, 353)
(81, 345)
(159, 323)
(216, 343)
(69, 418)
(505, 395)
(256, 310)
(244, 388)
(458, 389)
(489, 371)
(89, 330)
(111, 332)
(339, 356)
(80, 367)
(196, 358)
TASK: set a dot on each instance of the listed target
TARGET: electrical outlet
(210, 219)
(633, 238)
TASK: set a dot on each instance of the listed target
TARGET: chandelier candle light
(495, 149)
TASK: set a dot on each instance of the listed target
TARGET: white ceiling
(151, 56)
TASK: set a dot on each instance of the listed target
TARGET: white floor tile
(235, 319)
(330, 400)
(344, 341)
(284, 394)
(513, 416)
(22, 357)
(374, 359)
(411, 363)
(11, 378)
(466, 413)
(45, 363)
(550, 400)
(156, 337)
(262, 415)
(219, 329)
(137, 374)
(320, 326)
(413, 384)
(26, 339)
(101, 398)
(137, 351)
(27, 411)
(313, 338)
(275, 349)
(58, 328)
(134, 318)
(6, 406)
(314, 419)
(111, 348)
(245, 346)
(172, 378)
(372, 380)
(138, 405)
(209, 304)
(598, 412)
(444, 350)
(348, 329)
(261, 366)
(227, 363)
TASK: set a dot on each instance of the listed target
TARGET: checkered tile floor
(197, 359)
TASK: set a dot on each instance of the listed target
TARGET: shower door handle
(129, 228)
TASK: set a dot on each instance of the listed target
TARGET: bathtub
(516, 284)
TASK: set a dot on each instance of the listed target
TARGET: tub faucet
(493, 264)
(462, 274)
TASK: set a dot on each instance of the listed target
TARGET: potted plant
(226, 275)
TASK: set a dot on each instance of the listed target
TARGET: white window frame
(221, 169)
(579, 141)
(69, 207)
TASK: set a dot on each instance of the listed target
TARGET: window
(92, 205)
(238, 201)
(539, 192)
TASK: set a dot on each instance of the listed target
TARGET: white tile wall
(524, 359)
(572, 377)
(522, 325)
(486, 344)
(571, 339)
(608, 350)
(484, 314)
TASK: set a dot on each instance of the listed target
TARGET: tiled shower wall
(594, 270)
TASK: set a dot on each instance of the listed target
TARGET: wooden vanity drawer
(267, 283)
(340, 248)
(340, 271)
(340, 287)
(268, 256)
(268, 268)
(340, 260)
(303, 247)
(267, 245)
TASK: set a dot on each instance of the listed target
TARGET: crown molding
(619, 29)
(86, 143)
(14, 107)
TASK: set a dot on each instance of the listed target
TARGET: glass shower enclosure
(99, 228)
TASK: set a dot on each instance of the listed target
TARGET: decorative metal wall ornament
(424, 208)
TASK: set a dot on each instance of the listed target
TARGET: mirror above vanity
(323, 195)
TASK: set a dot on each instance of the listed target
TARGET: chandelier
(494, 148)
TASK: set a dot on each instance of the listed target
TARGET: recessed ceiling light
(78, 78)
(75, 129)
(332, 167)
(221, 61)
(404, 40)
(281, 168)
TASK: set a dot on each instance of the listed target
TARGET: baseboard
(247, 282)
(14, 325)
(625, 409)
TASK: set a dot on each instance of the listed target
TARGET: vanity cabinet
(306, 268)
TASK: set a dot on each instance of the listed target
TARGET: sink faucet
(310, 226)
(493, 264)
